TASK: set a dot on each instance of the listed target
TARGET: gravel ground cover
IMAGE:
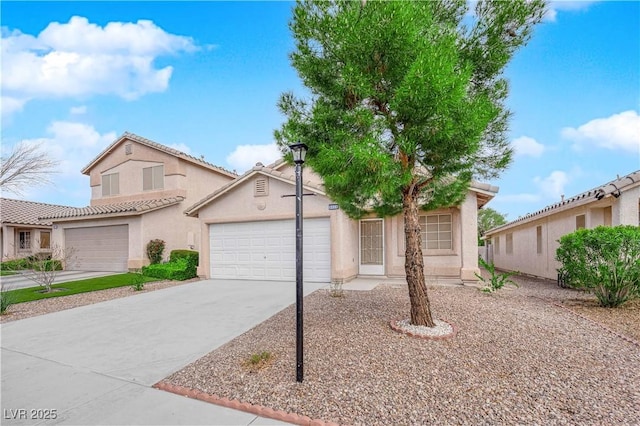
(54, 304)
(518, 358)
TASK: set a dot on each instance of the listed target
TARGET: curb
(235, 404)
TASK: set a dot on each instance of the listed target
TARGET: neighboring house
(529, 244)
(23, 233)
(248, 232)
(139, 190)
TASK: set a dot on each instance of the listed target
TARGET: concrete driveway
(21, 280)
(96, 364)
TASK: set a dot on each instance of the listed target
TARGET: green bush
(190, 255)
(7, 299)
(15, 264)
(179, 270)
(604, 260)
(155, 248)
(48, 265)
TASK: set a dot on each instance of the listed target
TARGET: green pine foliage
(406, 106)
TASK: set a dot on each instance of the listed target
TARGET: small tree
(44, 267)
(605, 260)
(155, 248)
(26, 165)
(407, 105)
(488, 218)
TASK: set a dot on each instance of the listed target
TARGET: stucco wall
(525, 257)
(181, 178)
(241, 205)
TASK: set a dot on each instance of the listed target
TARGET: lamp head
(299, 151)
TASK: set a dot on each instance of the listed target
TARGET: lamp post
(299, 151)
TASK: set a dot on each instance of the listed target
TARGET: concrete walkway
(96, 364)
(21, 280)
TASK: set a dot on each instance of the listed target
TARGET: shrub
(7, 299)
(604, 260)
(496, 280)
(190, 255)
(155, 248)
(15, 264)
(47, 265)
(179, 270)
(137, 281)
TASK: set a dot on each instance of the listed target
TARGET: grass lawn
(74, 287)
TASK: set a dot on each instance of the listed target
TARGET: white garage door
(267, 250)
(100, 248)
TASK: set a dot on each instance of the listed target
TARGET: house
(247, 229)
(139, 190)
(23, 233)
(529, 244)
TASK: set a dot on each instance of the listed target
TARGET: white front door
(372, 247)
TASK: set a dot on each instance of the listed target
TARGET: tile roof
(28, 212)
(613, 188)
(159, 147)
(133, 207)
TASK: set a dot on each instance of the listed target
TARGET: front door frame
(371, 269)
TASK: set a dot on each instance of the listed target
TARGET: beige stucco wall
(9, 241)
(241, 205)
(525, 257)
(181, 178)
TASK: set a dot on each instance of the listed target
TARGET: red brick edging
(235, 404)
(396, 328)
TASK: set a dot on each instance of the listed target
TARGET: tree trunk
(414, 262)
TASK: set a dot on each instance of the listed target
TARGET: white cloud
(79, 58)
(79, 110)
(245, 157)
(555, 6)
(11, 105)
(553, 185)
(617, 132)
(73, 144)
(525, 145)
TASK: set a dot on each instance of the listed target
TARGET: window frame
(156, 178)
(425, 232)
(24, 244)
(108, 182)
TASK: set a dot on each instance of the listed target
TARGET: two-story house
(139, 191)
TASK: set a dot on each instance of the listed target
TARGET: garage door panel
(99, 248)
(271, 252)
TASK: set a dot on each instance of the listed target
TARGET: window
(539, 239)
(580, 222)
(24, 240)
(110, 184)
(152, 178)
(436, 232)
(261, 187)
(45, 240)
(510, 243)
(496, 245)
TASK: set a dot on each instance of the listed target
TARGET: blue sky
(204, 77)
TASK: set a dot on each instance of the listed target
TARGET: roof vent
(261, 188)
(128, 149)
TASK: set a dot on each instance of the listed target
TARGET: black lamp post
(299, 151)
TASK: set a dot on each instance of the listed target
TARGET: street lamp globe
(299, 151)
